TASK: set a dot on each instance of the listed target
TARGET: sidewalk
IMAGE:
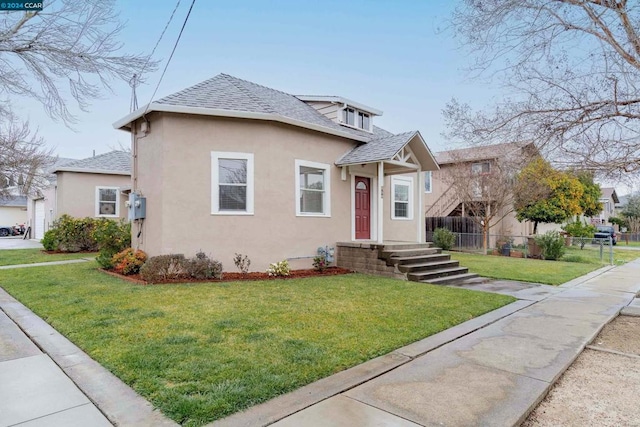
(493, 376)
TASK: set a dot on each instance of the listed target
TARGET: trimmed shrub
(164, 267)
(111, 237)
(444, 238)
(75, 234)
(551, 244)
(50, 240)
(128, 261)
(203, 267)
(279, 269)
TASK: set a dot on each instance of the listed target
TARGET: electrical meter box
(137, 206)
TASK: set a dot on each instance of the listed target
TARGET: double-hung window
(401, 197)
(231, 183)
(107, 202)
(313, 189)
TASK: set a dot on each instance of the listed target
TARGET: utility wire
(184, 24)
(160, 38)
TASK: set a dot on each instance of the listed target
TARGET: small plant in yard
(279, 269)
(581, 230)
(552, 245)
(444, 238)
(242, 262)
(128, 261)
(164, 267)
(203, 267)
(50, 240)
(320, 263)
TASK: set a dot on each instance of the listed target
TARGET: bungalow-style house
(441, 198)
(90, 187)
(228, 166)
(609, 200)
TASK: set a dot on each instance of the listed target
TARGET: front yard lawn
(591, 254)
(526, 270)
(200, 352)
(31, 256)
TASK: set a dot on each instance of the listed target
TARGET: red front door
(363, 208)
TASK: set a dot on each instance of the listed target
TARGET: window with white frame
(401, 197)
(313, 189)
(356, 118)
(231, 183)
(427, 182)
(108, 201)
(481, 167)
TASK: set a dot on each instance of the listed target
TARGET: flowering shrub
(320, 263)
(69, 234)
(128, 261)
(279, 269)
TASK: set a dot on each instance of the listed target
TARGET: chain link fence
(577, 249)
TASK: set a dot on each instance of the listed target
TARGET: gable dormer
(343, 111)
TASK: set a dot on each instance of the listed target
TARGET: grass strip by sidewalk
(526, 270)
(32, 256)
(200, 352)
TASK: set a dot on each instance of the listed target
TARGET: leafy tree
(580, 229)
(571, 69)
(620, 222)
(590, 203)
(631, 211)
(544, 194)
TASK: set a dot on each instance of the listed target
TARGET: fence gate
(467, 229)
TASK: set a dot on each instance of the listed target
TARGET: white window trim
(407, 181)
(97, 207)
(430, 181)
(215, 185)
(355, 120)
(326, 201)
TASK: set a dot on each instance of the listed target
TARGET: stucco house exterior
(609, 200)
(90, 187)
(440, 196)
(13, 210)
(228, 166)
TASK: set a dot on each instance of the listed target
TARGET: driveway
(16, 242)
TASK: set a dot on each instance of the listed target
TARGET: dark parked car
(604, 232)
(6, 230)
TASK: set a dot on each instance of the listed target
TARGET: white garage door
(38, 224)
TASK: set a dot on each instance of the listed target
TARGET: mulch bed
(238, 277)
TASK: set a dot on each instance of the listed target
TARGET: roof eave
(340, 100)
(96, 171)
(125, 122)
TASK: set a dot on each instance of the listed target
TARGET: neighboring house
(228, 166)
(609, 200)
(440, 198)
(13, 210)
(89, 187)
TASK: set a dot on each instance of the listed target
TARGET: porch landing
(418, 262)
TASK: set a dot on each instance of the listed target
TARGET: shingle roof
(225, 92)
(14, 201)
(114, 161)
(608, 193)
(483, 152)
(377, 149)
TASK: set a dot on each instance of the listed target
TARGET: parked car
(606, 231)
(6, 230)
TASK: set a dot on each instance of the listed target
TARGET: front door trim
(373, 182)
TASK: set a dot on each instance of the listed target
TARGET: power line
(184, 24)
(160, 38)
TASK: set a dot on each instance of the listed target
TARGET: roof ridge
(233, 81)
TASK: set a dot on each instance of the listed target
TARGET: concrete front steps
(418, 262)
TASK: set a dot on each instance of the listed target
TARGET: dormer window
(356, 118)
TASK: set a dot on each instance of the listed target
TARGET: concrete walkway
(493, 376)
(44, 264)
(16, 242)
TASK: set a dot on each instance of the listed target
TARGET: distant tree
(631, 212)
(571, 71)
(590, 203)
(544, 194)
(580, 229)
(68, 52)
(620, 222)
(486, 194)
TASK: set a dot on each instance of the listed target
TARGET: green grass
(623, 243)
(200, 352)
(591, 255)
(30, 256)
(526, 270)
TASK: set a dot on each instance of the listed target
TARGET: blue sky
(397, 56)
